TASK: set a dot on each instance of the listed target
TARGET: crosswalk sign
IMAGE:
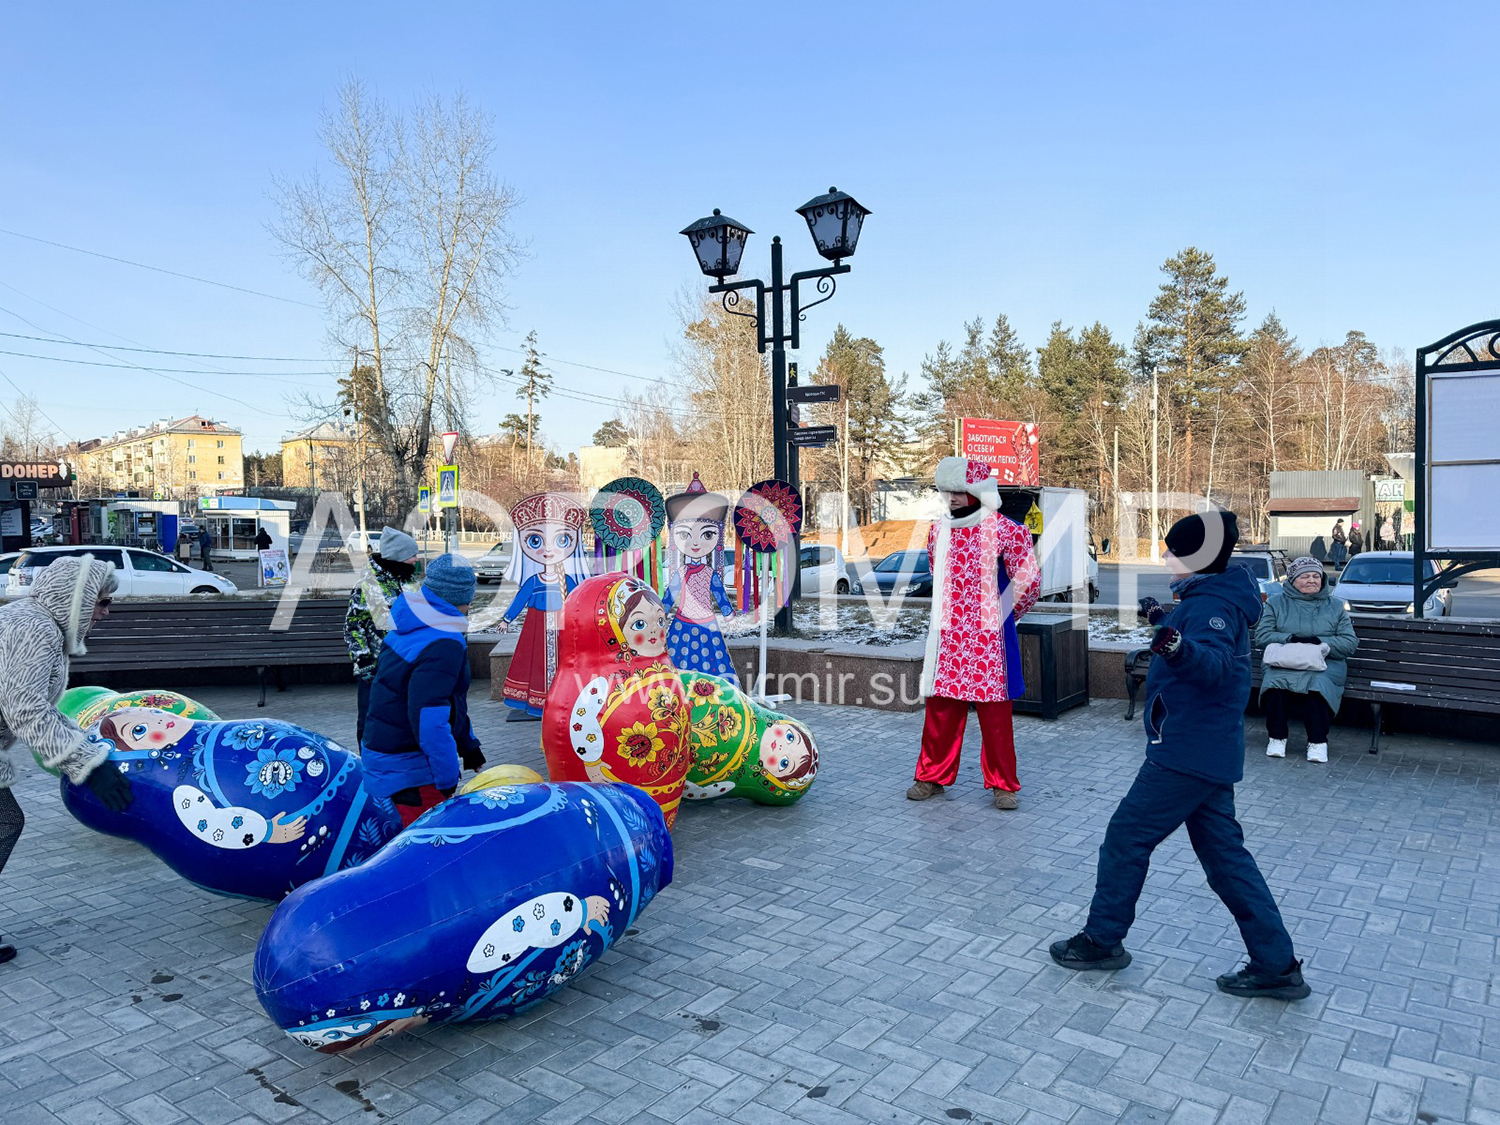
(1034, 520)
(448, 486)
(424, 499)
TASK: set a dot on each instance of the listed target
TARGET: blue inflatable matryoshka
(482, 908)
(245, 808)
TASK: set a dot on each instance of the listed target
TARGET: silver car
(1381, 582)
(490, 566)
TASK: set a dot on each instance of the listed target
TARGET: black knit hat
(1205, 540)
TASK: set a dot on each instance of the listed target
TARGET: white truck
(1070, 568)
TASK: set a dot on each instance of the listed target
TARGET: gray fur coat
(37, 635)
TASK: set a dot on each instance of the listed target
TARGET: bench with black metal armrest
(1443, 663)
(172, 636)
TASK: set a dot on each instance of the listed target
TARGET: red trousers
(423, 798)
(943, 741)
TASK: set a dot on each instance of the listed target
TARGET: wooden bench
(198, 633)
(1440, 662)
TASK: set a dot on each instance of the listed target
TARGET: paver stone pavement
(854, 958)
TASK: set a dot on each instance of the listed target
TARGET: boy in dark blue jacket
(1196, 692)
(417, 732)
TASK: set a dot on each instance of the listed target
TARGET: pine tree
(536, 384)
(1194, 332)
(873, 407)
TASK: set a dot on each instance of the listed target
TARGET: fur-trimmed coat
(37, 635)
(985, 577)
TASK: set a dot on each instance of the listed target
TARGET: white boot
(1276, 748)
(1317, 751)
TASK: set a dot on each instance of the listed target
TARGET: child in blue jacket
(417, 733)
(1196, 693)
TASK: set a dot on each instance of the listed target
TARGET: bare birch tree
(409, 241)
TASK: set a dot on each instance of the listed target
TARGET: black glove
(448, 792)
(471, 757)
(1152, 611)
(1166, 642)
(110, 786)
(1304, 639)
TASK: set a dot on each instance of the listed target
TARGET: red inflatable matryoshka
(617, 710)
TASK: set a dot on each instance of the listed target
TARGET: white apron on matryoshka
(617, 711)
(482, 908)
(743, 749)
(251, 809)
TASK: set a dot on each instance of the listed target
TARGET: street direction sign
(814, 392)
(813, 435)
(448, 486)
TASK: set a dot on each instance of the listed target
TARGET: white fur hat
(959, 474)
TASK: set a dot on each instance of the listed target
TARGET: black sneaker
(1278, 986)
(7, 953)
(1080, 952)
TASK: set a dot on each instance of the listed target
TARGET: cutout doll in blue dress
(695, 588)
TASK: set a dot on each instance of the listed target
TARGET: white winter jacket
(37, 635)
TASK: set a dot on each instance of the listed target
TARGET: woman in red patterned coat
(985, 576)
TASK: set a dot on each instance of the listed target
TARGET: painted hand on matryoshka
(283, 832)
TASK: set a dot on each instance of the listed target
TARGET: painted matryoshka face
(645, 627)
(148, 730)
(784, 750)
(696, 539)
(547, 543)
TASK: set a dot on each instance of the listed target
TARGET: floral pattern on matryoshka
(743, 749)
(617, 710)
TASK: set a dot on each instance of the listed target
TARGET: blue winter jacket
(418, 717)
(1196, 698)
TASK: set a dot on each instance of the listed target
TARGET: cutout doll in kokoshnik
(547, 561)
(695, 588)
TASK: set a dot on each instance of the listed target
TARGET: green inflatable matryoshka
(744, 749)
(87, 705)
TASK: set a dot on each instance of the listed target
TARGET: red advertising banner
(1008, 447)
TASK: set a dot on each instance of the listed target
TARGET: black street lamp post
(834, 221)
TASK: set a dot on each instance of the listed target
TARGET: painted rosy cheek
(157, 736)
(639, 638)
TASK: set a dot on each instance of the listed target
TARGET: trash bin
(1054, 663)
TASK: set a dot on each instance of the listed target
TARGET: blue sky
(1338, 161)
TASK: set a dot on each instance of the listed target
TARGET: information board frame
(1462, 460)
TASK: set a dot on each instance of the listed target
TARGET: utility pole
(359, 447)
(1115, 481)
(848, 507)
(1155, 517)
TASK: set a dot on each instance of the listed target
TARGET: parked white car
(824, 571)
(141, 574)
(1381, 582)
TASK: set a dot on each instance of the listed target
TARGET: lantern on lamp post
(834, 220)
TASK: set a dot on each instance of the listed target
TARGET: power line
(154, 371)
(164, 351)
(177, 370)
(38, 406)
(159, 269)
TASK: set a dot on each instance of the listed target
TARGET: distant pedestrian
(1303, 627)
(1387, 534)
(1340, 544)
(368, 617)
(262, 540)
(418, 737)
(1356, 540)
(206, 546)
(1196, 692)
(37, 636)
